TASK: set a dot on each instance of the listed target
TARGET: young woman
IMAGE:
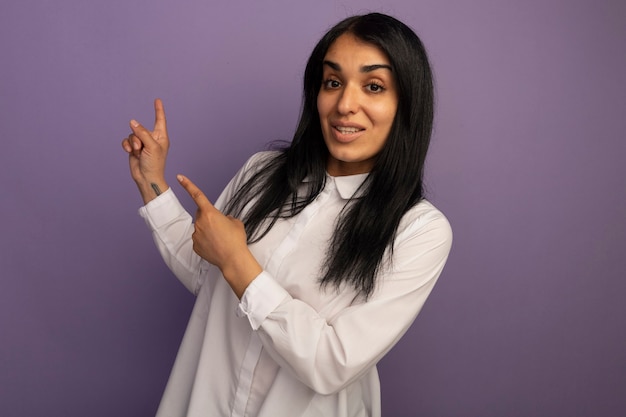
(327, 249)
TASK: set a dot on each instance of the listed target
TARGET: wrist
(241, 272)
(151, 189)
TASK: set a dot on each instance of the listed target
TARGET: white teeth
(347, 129)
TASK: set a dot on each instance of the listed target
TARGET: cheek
(390, 111)
(384, 115)
(322, 106)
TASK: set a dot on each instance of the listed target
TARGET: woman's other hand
(222, 241)
(147, 152)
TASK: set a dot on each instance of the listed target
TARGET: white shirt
(290, 348)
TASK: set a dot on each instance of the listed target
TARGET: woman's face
(357, 104)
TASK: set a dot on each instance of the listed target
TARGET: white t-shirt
(290, 348)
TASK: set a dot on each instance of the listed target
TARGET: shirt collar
(348, 185)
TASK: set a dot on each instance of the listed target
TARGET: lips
(346, 132)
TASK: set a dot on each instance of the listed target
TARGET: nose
(348, 100)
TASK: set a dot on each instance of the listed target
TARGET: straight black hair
(367, 227)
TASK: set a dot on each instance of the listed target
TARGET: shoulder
(426, 220)
(423, 242)
(255, 164)
(258, 162)
(261, 158)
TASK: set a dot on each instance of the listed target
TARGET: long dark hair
(367, 227)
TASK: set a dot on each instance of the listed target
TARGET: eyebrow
(364, 68)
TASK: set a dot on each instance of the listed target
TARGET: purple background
(528, 317)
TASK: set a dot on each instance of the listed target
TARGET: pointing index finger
(159, 115)
(196, 194)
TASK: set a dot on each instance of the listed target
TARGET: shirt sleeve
(261, 297)
(327, 354)
(172, 227)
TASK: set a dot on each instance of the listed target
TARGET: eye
(375, 88)
(331, 84)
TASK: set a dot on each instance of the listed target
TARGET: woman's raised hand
(147, 152)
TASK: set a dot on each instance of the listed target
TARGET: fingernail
(134, 123)
(180, 178)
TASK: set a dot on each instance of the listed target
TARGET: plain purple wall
(527, 162)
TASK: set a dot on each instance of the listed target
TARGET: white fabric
(290, 348)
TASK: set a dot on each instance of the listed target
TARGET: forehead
(347, 48)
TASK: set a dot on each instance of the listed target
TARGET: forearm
(324, 351)
(328, 355)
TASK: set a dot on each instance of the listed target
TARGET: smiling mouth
(347, 130)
